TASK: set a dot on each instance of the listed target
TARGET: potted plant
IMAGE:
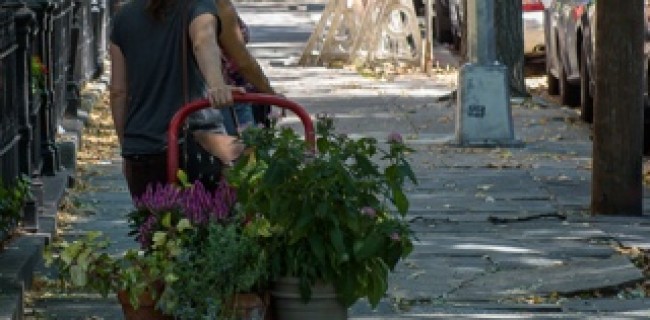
(336, 215)
(195, 256)
(12, 200)
(137, 278)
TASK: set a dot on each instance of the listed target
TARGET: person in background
(146, 81)
(240, 67)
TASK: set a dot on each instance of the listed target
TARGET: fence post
(74, 61)
(48, 132)
(98, 12)
(24, 22)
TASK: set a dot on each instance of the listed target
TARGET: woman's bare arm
(208, 56)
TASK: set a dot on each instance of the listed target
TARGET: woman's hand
(223, 96)
(220, 96)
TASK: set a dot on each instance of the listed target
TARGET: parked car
(450, 17)
(569, 29)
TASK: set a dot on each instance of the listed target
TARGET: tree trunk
(510, 42)
(618, 110)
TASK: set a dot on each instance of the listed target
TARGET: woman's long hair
(157, 8)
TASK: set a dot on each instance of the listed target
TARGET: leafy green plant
(85, 264)
(330, 212)
(12, 200)
(215, 264)
(38, 72)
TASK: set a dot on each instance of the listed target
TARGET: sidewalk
(502, 233)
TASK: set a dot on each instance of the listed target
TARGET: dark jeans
(142, 170)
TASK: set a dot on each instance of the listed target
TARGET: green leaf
(369, 247)
(406, 170)
(400, 201)
(183, 224)
(159, 239)
(377, 285)
(318, 248)
(183, 179)
(170, 278)
(78, 275)
(70, 252)
(167, 220)
(339, 244)
(83, 257)
(93, 235)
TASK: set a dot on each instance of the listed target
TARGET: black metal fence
(48, 50)
(9, 137)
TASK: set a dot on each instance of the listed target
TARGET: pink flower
(369, 211)
(395, 137)
(394, 236)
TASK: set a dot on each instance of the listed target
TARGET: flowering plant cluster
(172, 203)
(219, 252)
(335, 215)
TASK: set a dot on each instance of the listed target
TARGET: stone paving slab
(418, 279)
(466, 311)
(435, 245)
(572, 277)
(628, 235)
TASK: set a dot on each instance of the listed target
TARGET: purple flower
(369, 211)
(196, 203)
(159, 198)
(395, 236)
(145, 231)
(395, 137)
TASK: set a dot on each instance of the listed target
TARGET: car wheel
(586, 96)
(569, 94)
(552, 83)
(443, 23)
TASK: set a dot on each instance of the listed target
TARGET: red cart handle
(255, 98)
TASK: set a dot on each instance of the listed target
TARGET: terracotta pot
(146, 308)
(249, 306)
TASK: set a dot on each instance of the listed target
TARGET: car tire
(586, 96)
(443, 23)
(552, 82)
(569, 95)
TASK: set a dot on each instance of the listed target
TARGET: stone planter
(287, 304)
